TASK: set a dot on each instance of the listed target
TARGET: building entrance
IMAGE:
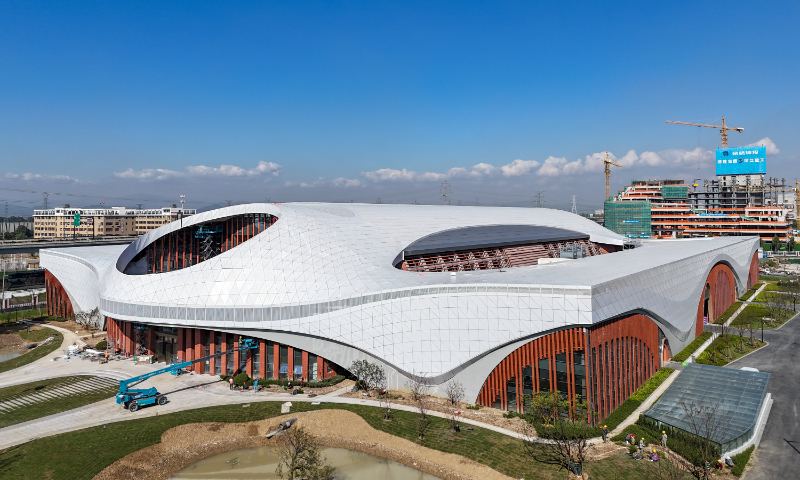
(166, 347)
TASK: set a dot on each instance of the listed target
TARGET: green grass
(690, 349)
(737, 349)
(48, 407)
(727, 314)
(740, 461)
(36, 353)
(769, 278)
(750, 292)
(33, 314)
(636, 399)
(65, 456)
(756, 312)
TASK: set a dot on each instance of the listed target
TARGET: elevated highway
(34, 245)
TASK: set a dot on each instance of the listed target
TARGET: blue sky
(138, 102)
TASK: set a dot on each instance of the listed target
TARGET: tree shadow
(791, 442)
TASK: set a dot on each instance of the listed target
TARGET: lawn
(36, 353)
(750, 292)
(727, 314)
(64, 456)
(756, 312)
(689, 350)
(48, 407)
(728, 349)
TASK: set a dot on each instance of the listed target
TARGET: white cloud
(518, 167)
(155, 173)
(629, 159)
(345, 182)
(268, 169)
(772, 149)
(39, 177)
(678, 157)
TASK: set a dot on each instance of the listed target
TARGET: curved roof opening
(493, 246)
(197, 243)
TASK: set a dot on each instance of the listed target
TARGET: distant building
(58, 222)
(732, 205)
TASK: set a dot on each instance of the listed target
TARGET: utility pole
(537, 202)
(378, 201)
(183, 199)
(444, 190)
(575, 204)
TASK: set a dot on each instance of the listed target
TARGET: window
(313, 372)
(580, 374)
(284, 362)
(561, 374)
(511, 394)
(544, 375)
(298, 364)
(256, 362)
(217, 349)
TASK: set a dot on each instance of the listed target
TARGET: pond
(260, 463)
(8, 356)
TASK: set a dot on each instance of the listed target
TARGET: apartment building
(666, 208)
(59, 222)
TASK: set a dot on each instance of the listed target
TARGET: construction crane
(134, 398)
(607, 163)
(723, 129)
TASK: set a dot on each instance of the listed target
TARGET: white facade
(322, 279)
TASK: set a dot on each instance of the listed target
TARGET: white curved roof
(325, 270)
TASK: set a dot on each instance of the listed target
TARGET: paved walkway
(188, 391)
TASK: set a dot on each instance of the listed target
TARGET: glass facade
(737, 396)
(312, 367)
(217, 349)
(511, 394)
(298, 365)
(544, 375)
(562, 379)
(283, 373)
(580, 374)
(270, 353)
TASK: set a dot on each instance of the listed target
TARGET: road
(779, 451)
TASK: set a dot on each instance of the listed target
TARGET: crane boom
(606, 163)
(723, 129)
(738, 129)
(141, 397)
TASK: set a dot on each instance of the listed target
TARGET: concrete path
(779, 451)
(47, 394)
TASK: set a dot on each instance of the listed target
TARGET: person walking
(605, 433)
(231, 382)
(255, 385)
(664, 439)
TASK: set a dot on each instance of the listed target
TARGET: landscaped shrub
(740, 461)
(683, 443)
(241, 379)
(690, 349)
(727, 314)
(318, 384)
(101, 345)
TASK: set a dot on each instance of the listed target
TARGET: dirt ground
(11, 342)
(488, 415)
(181, 446)
(82, 331)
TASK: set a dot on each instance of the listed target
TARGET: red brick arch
(723, 294)
(752, 276)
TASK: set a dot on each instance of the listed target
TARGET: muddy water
(8, 356)
(260, 463)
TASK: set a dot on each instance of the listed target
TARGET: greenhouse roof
(736, 394)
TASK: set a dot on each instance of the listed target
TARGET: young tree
(369, 375)
(454, 391)
(751, 327)
(706, 422)
(300, 457)
(567, 444)
(741, 326)
(419, 386)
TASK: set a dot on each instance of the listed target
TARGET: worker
(641, 444)
(230, 380)
(255, 385)
(664, 439)
(654, 456)
(605, 433)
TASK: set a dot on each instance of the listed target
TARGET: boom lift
(133, 398)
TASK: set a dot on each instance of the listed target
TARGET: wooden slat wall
(565, 341)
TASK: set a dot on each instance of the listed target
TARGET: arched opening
(666, 352)
(707, 305)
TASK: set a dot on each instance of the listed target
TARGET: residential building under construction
(744, 205)
(60, 221)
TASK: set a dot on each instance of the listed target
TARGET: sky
(132, 103)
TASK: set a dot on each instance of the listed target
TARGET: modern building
(59, 222)
(667, 208)
(507, 301)
(734, 405)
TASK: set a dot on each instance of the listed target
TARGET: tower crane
(607, 163)
(723, 129)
